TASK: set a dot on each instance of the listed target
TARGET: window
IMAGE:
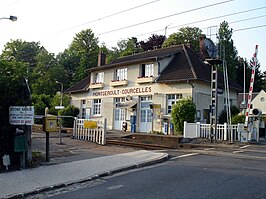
(145, 111)
(119, 100)
(171, 100)
(121, 74)
(97, 106)
(99, 77)
(147, 70)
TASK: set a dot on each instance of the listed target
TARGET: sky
(54, 23)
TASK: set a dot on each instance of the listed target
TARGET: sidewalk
(25, 182)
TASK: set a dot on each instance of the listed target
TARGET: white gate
(97, 135)
(224, 131)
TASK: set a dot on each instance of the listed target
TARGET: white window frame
(97, 103)
(121, 74)
(149, 70)
(99, 77)
(171, 101)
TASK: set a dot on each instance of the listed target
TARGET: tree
(227, 50)
(40, 102)
(186, 35)
(14, 92)
(56, 102)
(46, 73)
(258, 82)
(12, 80)
(85, 49)
(183, 110)
(155, 41)
(69, 60)
(128, 46)
(22, 51)
(264, 80)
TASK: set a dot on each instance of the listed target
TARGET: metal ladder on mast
(227, 94)
(214, 101)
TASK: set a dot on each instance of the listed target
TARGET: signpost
(21, 116)
(49, 125)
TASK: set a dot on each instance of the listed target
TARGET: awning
(127, 105)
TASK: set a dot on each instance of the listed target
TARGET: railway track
(145, 146)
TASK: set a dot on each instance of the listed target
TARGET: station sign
(90, 124)
(21, 115)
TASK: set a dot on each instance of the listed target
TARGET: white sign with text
(21, 115)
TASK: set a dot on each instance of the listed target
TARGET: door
(119, 114)
(145, 124)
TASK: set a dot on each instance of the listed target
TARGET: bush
(183, 110)
(238, 119)
(70, 110)
(223, 116)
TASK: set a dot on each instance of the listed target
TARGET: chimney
(101, 58)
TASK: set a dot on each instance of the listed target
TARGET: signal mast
(254, 65)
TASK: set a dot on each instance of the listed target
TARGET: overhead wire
(156, 19)
(209, 19)
(9, 5)
(110, 15)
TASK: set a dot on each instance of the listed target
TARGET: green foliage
(238, 119)
(22, 51)
(264, 81)
(186, 35)
(40, 102)
(152, 42)
(70, 110)
(227, 50)
(56, 102)
(46, 73)
(128, 46)
(223, 115)
(85, 49)
(12, 87)
(157, 132)
(183, 110)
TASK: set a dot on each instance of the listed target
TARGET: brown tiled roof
(187, 66)
(143, 57)
(81, 86)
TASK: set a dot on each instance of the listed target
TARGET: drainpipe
(192, 89)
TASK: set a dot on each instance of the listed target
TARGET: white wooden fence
(224, 131)
(97, 135)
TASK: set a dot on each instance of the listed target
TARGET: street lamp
(62, 89)
(12, 18)
(61, 107)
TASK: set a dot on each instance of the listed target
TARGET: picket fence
(96, 135)
(224, 131)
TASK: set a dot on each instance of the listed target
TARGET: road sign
(21, 115)
(59, 107)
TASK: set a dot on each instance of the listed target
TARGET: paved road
(71, 149)
(206, 173)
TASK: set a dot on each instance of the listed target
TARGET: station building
(140, 90)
